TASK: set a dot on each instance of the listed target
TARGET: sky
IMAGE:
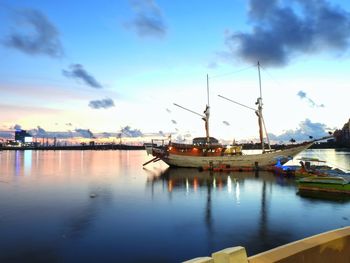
(83, 65)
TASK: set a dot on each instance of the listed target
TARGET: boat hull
(325, 184)
(239, 161)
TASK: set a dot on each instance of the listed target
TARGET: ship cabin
(200, 147)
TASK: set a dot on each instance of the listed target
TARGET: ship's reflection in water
(258, 210)
(102, 206)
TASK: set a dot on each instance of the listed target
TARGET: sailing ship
(207, 152)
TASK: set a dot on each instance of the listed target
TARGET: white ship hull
(249, 160)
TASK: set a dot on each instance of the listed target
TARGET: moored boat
(207, 152)
(192, 155)
(330, 184)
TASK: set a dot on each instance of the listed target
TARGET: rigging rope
(232, 72)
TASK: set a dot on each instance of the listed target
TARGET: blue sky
(105, 65)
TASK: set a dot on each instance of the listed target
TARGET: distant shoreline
(77, 147)
(246, 146)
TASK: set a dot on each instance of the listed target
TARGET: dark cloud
(86, 133)
(129, 132)
(173, 121)
(226, 123)
(148, 20)
(99, 104)
(35, 35)
(168, 111)
(69, 124)
(78, 72)
(306, 129)
(280, 31)
(303, 96)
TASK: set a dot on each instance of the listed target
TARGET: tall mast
(259, 79)
(259, 113)
(207, 113)
(260, 117)
(208, 89)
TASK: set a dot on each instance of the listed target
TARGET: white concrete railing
(332, 246)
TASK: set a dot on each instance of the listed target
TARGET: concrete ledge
(231, 255)
(332, 246)
(200, 260)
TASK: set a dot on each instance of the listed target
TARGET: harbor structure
(342, 137)
(23, 137)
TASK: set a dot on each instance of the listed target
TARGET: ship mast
(204, 117)
(207, 113)
(258, 112)
(261, 118)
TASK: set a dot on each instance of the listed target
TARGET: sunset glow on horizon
(70, 66)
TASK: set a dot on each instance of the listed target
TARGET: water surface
(102, 206)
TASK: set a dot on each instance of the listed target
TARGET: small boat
(330, 184)
(311, 167)
(207, 152)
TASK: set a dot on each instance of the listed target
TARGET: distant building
(23, 137)
(342, 137)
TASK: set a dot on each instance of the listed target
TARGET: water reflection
(100, 205)
(324, 197)
(231, 183)
(79, 222)
(27, 156)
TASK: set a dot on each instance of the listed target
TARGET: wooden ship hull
(191, 158)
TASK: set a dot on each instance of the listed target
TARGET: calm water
(101, 206)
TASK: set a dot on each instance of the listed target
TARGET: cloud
(212, 65)
(35, 35)
(6, 135)
(306, 129)
(16, 127)
(168, 111)
(85, 133)
(303, 96)
(148, 20)
(78, 72)
(282, 31)
(174, 121)
(226, 123)
(38, 132)
(129, 132)
(104, 103)
(106, 135)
